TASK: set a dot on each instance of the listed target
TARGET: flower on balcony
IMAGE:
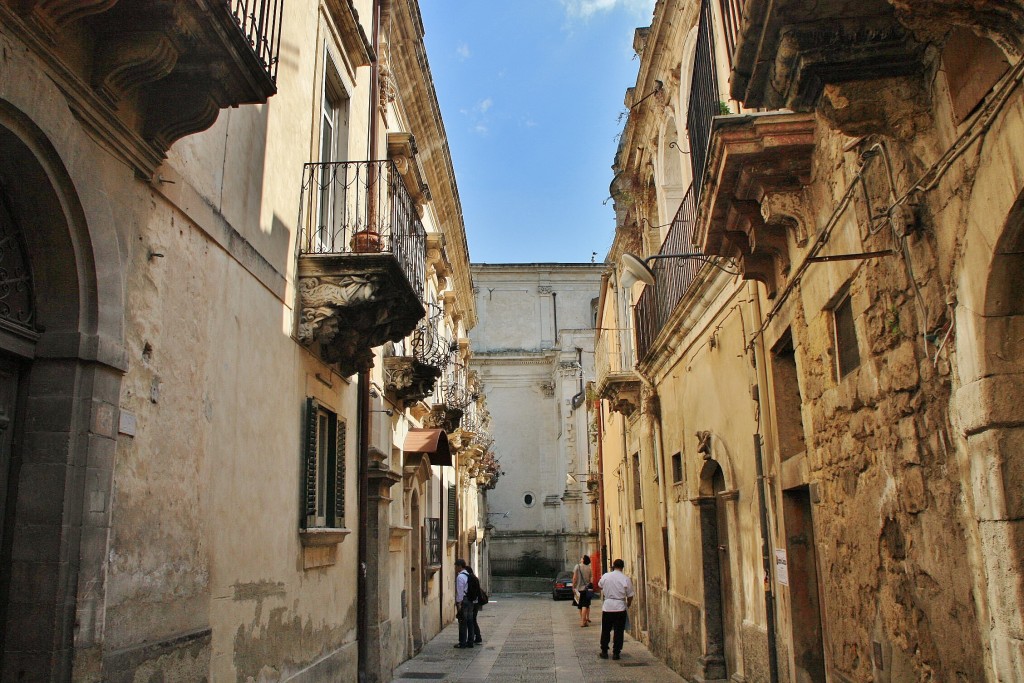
(490, 471)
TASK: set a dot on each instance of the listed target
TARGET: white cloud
(480, 129)
(484, 105)
(586, 8)
(462, 51)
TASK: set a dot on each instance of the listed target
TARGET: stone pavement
(533, 639)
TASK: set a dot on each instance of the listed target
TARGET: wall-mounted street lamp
(635, 269)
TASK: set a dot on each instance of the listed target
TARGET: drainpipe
(362, 606)
(760, 361)
(442, 532)
(602, 535)
(766, 560)
(554, 311)
(363, 387)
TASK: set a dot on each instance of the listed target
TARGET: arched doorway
(992, 415)
(416, 580)
(60, 370)
(718, 614)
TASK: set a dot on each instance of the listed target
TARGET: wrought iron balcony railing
(614, 355)
(705, 102)
(362, 207)
(429, 346)
(674, 277)
(260, 23)
(455, 389)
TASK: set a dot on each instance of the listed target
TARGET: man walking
(464, 605)
(618, 593)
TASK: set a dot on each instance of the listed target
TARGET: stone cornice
(420, 106)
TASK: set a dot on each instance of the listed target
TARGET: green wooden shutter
(307, 514)
(453, 522)
(339, 476)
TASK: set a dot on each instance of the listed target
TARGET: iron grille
(429, 345)
(260, 23)
(434, 541)
(674, 277)
(705, 102)
(456, 393)
(359, 207)
(525, 565)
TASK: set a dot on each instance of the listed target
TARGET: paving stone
(531, 639)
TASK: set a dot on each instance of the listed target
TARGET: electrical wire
(978, 126)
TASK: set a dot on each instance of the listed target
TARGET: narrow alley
(529, 638)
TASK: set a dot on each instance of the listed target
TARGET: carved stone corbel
(623, 398)
(178, 109)
(346, 311)
(126, 62)
(786, 209)
(54, 15)
(403, 152)
(443, 417)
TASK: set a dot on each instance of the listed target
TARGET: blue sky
(531, 94)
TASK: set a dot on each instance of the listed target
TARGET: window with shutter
(323, 463)
(309, 461)
(453, 508)
(339, 477)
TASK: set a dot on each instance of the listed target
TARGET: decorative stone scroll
(351, 304)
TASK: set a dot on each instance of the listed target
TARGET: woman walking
(583, 587)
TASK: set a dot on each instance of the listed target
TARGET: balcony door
(330, 233)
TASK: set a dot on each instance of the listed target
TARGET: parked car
(561, 587)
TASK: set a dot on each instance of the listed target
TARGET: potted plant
(365, 241)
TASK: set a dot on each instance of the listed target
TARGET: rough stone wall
(890, 526)
(674, 628)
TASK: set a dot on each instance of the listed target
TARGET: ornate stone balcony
(361, 262)
(411, 377)
(750, 207)
(787, 51)
(617, 381)
(141, 75)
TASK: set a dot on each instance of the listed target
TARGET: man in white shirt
(617, 592)
(463, 605)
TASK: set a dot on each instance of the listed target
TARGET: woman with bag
(582, 588)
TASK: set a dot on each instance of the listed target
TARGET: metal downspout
(764, 424)
(362, 606)
(363, 387)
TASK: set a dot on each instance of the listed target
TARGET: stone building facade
(230, 341)
(811, 433)
(533, 352)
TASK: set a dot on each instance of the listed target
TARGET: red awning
(432, 442)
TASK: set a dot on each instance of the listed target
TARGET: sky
(531, 92)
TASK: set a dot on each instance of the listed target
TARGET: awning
(432, 442)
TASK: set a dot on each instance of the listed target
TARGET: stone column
(378, 594)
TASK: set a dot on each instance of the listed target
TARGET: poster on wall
(781, 568)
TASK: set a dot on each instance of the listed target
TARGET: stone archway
(68, 362)
(417, 582)
(989, 410)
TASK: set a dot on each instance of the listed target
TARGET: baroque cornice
(418, 101)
